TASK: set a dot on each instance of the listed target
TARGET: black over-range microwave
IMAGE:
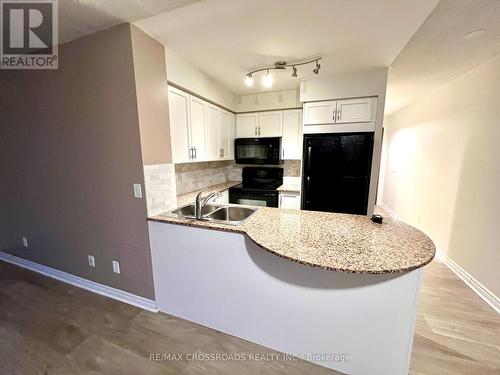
(257, 150)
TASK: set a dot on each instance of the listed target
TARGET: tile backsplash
(194, 176)
(159, 183)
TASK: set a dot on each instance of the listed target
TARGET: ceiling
(226, 38)
(82, 17)
(438, 52)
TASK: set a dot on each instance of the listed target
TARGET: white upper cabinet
(270, 124)
(179, 125)
(224, 136)
(200, 131)
(212, 131)
(259, 124)
(246, 125)
(355, 110)
(292, 134)
(316, 113)
(342, 111)
(232, 135)
(197, 129)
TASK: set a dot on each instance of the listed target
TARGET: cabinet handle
(255, 130)
(339, 114)
(281, 200)
(283, 153)
(190, 152)
(259, 130)
(334, 115)
(194, 149)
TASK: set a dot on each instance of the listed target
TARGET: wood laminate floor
(48, 327)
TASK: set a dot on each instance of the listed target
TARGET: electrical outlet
(25, 241)
(137, 190)
(91, 261)
(116, 266)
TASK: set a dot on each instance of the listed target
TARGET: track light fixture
(267, 80)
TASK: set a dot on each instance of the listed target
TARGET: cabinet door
(212, 131)
(223, 134)
(197, 127)
(232, 135)
(292, 134)
(355, 110)
(246, 125)
(289, 200)
(320, 112)
(270, 124)
(178, 103)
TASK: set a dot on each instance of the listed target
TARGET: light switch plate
(25, 241)
(137, 191)
(116, 266)
(91, 261)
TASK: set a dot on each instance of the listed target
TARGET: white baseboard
(80, 282)
(489, 297)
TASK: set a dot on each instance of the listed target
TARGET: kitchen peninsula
(320, 286)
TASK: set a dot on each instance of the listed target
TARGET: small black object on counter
(376, 218)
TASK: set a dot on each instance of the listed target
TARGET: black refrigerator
(336, 172)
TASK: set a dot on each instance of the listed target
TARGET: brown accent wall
(70, 153)
(152, 97)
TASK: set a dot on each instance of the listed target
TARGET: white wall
(371, 82)
(442, 170)
(183, 73)
(269, 100)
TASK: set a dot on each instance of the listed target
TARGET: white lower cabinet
(222, 199)
(289, 200)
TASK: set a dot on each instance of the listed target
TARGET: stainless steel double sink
(222, 214)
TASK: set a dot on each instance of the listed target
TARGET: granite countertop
(337, 242)
(295, 188)
(190, 197)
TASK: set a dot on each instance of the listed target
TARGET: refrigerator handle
(309, 152)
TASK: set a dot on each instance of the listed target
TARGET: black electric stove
(258, 187)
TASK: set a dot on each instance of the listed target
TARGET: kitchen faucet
(201, 202)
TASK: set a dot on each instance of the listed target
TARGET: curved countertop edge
(240, 230)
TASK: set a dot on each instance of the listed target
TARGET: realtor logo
(29, 36)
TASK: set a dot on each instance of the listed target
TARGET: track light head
(249, 80)
(267, 80)
(318, 66)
